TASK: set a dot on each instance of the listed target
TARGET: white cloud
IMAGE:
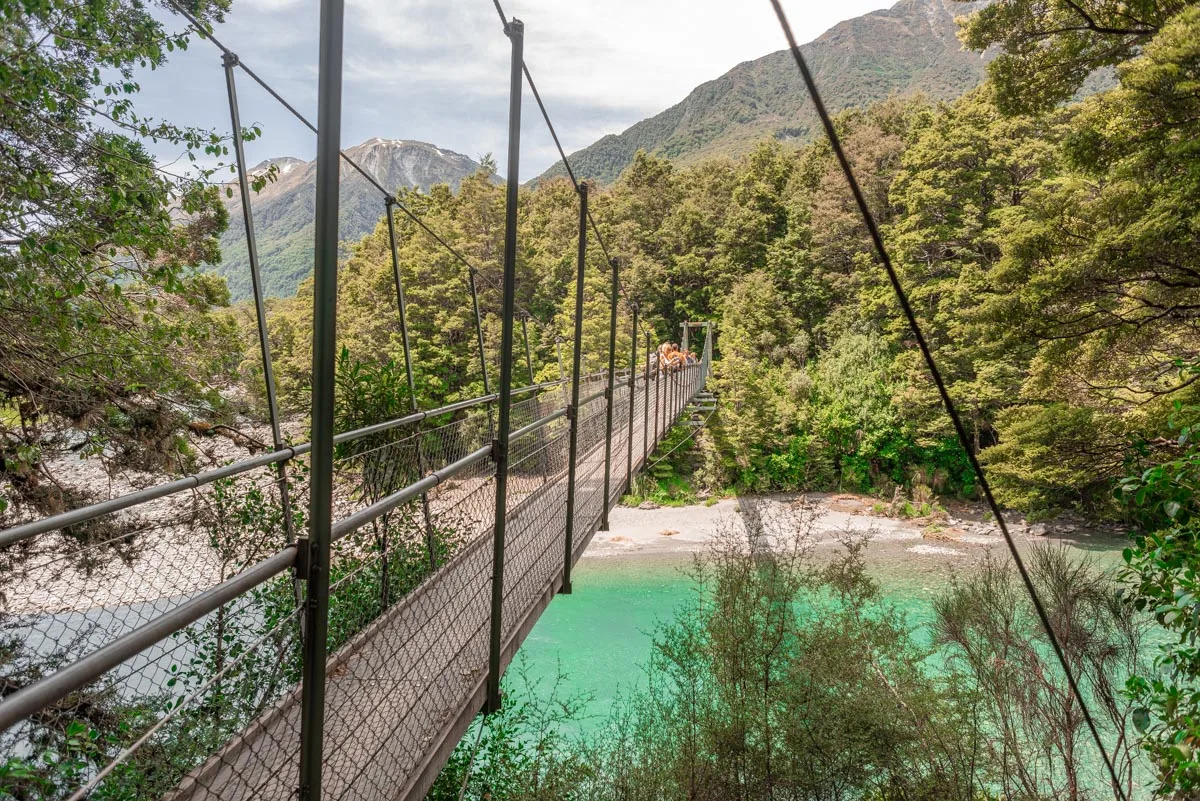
(438, 70)
(271, 6)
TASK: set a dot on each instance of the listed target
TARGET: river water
(595, 641)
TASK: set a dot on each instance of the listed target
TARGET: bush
(997, 649)
(1161, 576)
(785, 680)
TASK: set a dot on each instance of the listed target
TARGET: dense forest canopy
(1049, 254)
(1049, 243)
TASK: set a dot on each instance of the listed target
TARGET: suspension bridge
(324, 620)
(342, 652)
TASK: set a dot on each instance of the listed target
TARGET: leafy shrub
(784, 680)
(1160, 570)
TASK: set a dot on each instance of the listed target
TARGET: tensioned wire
(205, 32)
(562, 153)
(681, 443)
(902, 296)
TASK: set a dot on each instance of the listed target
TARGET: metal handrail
(385, 505)
(28, 700)
(83, 514)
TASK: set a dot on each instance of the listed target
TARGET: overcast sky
(437, 70)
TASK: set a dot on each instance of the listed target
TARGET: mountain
(910, 47)
(283, 210)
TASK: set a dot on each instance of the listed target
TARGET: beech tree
(105, 326)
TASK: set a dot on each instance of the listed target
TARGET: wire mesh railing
(210, 708)
(160, 644)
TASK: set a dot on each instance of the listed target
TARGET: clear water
(595, 642)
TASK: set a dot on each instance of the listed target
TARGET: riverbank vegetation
(1048, 242)
(790, 676)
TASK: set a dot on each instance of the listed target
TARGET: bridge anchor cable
(951, 409)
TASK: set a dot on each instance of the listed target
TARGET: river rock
(1038, 530)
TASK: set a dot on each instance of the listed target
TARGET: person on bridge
(670, 358)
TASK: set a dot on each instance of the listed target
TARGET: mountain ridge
(283, 209)
(909, 48)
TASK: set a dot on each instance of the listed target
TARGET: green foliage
(781, 679)
(1056, 456)
(108, 326)
(1167, 493)
(1049, 49)
(441, 320)
(998, 651)
(367, 393)
(795, 422)
(760, 378)
(668, 479)
(957, 181)
(1098, 281)
(521, 753)
(1160, 569)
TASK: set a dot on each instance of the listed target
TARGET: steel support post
(678, 396)
(674, 401)
(657, 392)
(576, 363)
(516, 35)
(632, 400)
(675, 394)
(683, 343)
(608, 394)
(487, 387)
(665, 411)
(669, 408)
(537, 412)
(528, 352)
(561, 386)
(402, 306)
(229, 61)
(325, 265)
(646, 406)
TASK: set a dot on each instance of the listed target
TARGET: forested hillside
(1054, 285)
(911, 47)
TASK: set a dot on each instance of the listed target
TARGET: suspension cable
(205, 32)
(947, 401)
(562, 154)
(691, 435)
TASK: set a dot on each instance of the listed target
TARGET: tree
(950, 196)
(1160, 570)
(1049, 49)
(106, 325)
(996, 645)
(1099, 274)
(761, 377)
(784, 680)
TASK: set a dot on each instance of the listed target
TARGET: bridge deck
(401, 693)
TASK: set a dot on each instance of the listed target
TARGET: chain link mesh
(213, 710)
